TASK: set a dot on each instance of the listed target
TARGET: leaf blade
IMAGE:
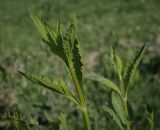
(77, 63)
(53, 38)
(117, 62)
(57, 86)
(103, 80)
(132, 66)
(112, 114)
(118, 106)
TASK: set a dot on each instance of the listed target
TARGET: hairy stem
(127, 114)
(81, 99)
(125, 104)
(86, 119)
(78, 87)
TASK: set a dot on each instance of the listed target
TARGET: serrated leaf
(40, 25)
(118, 106)
(74, 51)
(114, 116)
(69, 39)
(103, 80)
(57, 86)
(53, 38)
(70, 34)
(67, 47)
(132, 66)
(76, 58)
(117, 62)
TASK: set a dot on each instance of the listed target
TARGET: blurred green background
(125, 24)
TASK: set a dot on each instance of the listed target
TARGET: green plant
(67, 48)
(118, 109)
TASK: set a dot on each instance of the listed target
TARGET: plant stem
(86, 119)
(80, 93)
(124, 97)
(127, 114)
(78, 87)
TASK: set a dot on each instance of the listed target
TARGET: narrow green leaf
(118, 106)
(112, 114)
(117, 62)
(132, 66)
(57, 86)
(103, 80)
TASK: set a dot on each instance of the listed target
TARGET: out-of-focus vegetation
(124, 24)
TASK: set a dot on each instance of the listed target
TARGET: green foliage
(58, 86)
(132, 66)
(68, 49)
(77, 63)
(18, 122)
(119, 109)
(66, 46)
(117, 62)
(116, 110)
(114, 116)
(103, 80)
(123, 24)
